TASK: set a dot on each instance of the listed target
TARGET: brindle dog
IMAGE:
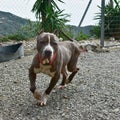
(53, 58)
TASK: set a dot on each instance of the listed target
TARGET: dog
(53, 58)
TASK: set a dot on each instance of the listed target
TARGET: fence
(112, 27)
(110, 24)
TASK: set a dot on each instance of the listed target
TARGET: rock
(116, 110)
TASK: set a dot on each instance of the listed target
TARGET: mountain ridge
(10, 24)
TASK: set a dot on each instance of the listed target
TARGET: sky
(75, 8)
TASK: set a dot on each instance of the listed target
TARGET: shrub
(112, 19)
(16, 37)
(95, 31)
(4, 39)
(82, 36)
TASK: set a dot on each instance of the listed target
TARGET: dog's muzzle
(46, 60)
(47, 53)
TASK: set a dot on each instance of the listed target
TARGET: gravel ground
(94, 93)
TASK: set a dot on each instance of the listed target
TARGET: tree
(49, 14)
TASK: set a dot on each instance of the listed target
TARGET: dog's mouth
(46, 61)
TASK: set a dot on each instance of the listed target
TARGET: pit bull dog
(53, 58)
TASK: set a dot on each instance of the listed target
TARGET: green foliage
(50, 15)
(54, 20)
(4, 39)
(112, 19)
(68, 31)
(30, 30)
(82, 36)
(40, 8)
(25, 32)
(16, 37)
(11, 23)
(96, 31)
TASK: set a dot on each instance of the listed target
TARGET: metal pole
(83, 18)
(102, 23)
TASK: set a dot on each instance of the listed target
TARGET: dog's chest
(44, 69)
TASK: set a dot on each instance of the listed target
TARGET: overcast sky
(75, 8)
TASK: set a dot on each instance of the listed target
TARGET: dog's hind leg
(72, 68)
(70, 78)
(64, 73)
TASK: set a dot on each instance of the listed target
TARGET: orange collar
(52, 60)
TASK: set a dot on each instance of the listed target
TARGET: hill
(10, 23)
(84, 29)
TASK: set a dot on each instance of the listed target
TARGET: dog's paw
(43, 100)
(37, 95)
(61, 87)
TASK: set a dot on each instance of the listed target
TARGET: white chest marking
(44, 69)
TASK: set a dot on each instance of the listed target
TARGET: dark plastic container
(10, 52)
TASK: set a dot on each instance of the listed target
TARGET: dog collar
(52, 60)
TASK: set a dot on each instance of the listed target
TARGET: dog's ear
(42, 30)
(56, 32)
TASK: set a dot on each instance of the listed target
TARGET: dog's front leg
(32, 78)
(52, 84)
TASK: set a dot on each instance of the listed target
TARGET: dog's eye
(53, 43)
(42, 42)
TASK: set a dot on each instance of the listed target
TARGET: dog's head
(47, 46)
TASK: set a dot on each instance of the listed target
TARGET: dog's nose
(48, 52)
